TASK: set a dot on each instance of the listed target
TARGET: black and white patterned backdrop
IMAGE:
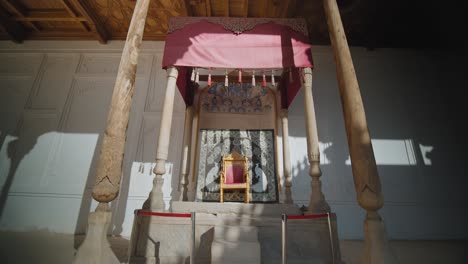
(257, 145)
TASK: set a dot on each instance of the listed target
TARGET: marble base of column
(191, 193)
(317, 204)
(157, 196)
(286, 195)
(183, 188)
(96, 248)
(376, 246)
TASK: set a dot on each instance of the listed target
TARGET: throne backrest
(235, 167)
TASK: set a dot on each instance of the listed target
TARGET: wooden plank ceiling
(104, 20)
(367, 22)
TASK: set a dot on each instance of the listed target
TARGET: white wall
(54, 98)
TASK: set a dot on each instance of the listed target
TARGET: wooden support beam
(96, 27)
(226, 8)
(13, 29)
(263, 8)
(246, 8)
(73, 14)
(14, 6)
(67, 19)
(188, 8)
(286, 5)
(19, 10)
(208, 8)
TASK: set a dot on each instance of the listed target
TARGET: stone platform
(167, 240)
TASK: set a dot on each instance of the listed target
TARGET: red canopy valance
(241, 43)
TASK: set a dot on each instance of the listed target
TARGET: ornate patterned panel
(237, 98)
(257, 145)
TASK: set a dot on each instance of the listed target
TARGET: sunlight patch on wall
(298, 152)
(393, 152)
(141, 181)
(399, 152)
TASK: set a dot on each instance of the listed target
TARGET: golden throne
(234, 175)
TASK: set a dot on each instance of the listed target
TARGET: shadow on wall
(45, 170)
(53, 111)
(417, 138)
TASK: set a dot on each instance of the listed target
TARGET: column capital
(283, 113)
(307, 70)
(189, 109)
(172, 72)
(307, 78)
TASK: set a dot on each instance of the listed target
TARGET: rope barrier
(300, 217)
(141, 212)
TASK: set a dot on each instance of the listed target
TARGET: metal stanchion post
(284, 220)
(192, 246)
(331, 238)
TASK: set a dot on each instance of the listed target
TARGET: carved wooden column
(365, 174)
(317, 202)
(95, 248)
(186, 151)
(162, 152)
(286, 157)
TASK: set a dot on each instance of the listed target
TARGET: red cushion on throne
(234, 174)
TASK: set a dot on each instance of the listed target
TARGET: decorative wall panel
(13, 95)
(54, 79)
(257, 145)
(237, 98)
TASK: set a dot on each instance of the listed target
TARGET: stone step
(236, 233)
(235, 244)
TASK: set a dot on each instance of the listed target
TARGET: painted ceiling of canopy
(396, 23)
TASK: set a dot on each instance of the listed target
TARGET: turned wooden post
(365, 174)
(162, 151)
(317, 203)
(286, 157)
(95, 248)
(185, 167)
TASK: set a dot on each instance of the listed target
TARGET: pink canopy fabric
(262, 45)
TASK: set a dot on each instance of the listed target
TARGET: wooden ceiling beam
(246, 8)
(285, 8)
(19, 10)
(226, 8)
(13, 29)
(96, 27)
(188, 8)
(73, 14)
(263, 8)
(15, 7)
(69, 19)
(208, 7)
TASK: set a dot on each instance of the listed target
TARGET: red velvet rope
(140, 212)
(306, 216)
